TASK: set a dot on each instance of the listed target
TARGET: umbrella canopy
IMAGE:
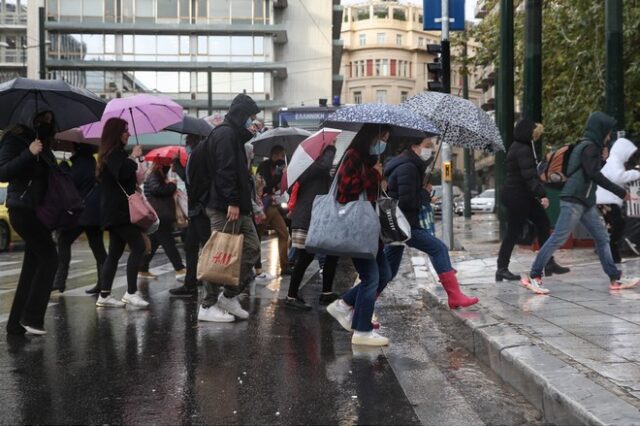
(461, 123)
(287, 137)
(404, 122)
(22, 99)
(64, 140)
(166, 154)
(308, 151)
(191, 126)
(144, 113)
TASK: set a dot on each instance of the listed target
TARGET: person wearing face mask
(524, 198)
(578, 204)
(160, 193)
(271, 171)
(24, 163)
(406, 173)
(228, 203)
(361, 171)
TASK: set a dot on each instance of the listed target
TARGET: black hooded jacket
(520, 163)
(225, 161)
(405, 174)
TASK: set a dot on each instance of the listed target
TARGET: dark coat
(405, 174)
(520, 165)
(197, 181)
(26, 173)
(267, 169)
(160, 193)
(316, 180)
(83, 173)
(227, 172)
(119, 168)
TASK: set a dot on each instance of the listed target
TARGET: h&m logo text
(221, 258)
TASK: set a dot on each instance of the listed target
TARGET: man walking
(229, 203)
(578, 204)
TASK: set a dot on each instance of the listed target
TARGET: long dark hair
(110, 140)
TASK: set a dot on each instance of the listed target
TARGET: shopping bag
(394, 226)
(220, 259)
(182, 209)
(426, 219)
(344, 230)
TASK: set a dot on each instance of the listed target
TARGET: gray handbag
(344, 230)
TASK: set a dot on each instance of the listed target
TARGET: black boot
(93, 290)
(553, 268)
(504, 274)
(184, 291)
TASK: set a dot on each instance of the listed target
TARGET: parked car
(7, 234)
(485, 202)
(436, 198)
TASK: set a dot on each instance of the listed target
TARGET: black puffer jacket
(522, 174)
(83, 173)
(316, 180)
(26, 173)
(160, 193)
(405, 174)
(119, 168)
(226, 161)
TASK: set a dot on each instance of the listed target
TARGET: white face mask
(426, 153)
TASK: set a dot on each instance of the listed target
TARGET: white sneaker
(264, 278)
(342, 313)
(624, 283)
(533, 284)
(34, 330)
(214, 314)
(232, 306)
(109, 302)
(135, 299)
(368, 338)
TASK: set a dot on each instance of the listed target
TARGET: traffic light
(435, 68)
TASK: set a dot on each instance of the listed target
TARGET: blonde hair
(537, 131)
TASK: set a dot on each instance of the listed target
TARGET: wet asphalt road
(281, 367)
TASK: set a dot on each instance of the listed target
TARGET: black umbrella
(22, 99)
(192, 125)
(287, 137)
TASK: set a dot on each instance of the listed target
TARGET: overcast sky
(470, 6)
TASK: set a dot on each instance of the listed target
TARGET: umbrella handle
(135, 132)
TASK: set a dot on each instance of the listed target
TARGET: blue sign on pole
(433, 12)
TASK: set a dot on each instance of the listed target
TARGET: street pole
(42, 46)
(614, 72)
(209, 92)
(505, 100)
(532, 102)
(467, 152)
(447, 169)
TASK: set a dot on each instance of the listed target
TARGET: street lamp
(40, 46)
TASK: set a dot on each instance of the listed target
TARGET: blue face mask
(248, 123)
(188, 149)
(378, 148)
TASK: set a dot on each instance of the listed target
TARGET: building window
(381, 12)
(167, 10)
(380, 38)
(381, 96)
(360, 70)
(404, 95)
(378, 67)
(363, 40)
(399, 14)
(420, 41)
(357, 97)
(398, 39)
(369, 67)
(385, 67)
(361, 14)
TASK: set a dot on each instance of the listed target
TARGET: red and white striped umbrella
(308, 151)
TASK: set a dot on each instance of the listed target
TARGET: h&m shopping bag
(220, 259)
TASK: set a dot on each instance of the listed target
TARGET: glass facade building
(14, 43)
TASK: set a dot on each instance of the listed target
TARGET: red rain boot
(457, 299)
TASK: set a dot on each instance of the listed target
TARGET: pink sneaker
(533, 284)
(624, 283)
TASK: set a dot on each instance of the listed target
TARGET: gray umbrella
(404, 122)
(287, 137)
(192, 125)
(22, 99)
(461, 123)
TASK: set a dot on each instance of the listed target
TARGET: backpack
(553, 170)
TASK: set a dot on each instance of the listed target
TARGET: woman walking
(316, 180)
(117, 174)
(160, 194)
(361, 171)
(25, 158)
(524, 197)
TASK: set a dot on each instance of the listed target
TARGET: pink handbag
(140, 211)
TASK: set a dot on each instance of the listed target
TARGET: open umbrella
(63, 141)
(144, 113)
(460, 121)
(404, 122)
(308, 151)
(191, 126)
(287, 137)
(22, 98)
(166, 154)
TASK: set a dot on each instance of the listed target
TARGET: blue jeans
(422, 240)
(363, 296)
(570, 215)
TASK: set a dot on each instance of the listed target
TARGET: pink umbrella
(144, 113)
(307, 152)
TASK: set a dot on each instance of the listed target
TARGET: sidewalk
(574, 354)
